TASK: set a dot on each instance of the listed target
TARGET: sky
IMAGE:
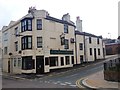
(100, 17)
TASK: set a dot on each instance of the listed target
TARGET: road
(66, 79)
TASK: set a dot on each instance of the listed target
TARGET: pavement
(96, 81)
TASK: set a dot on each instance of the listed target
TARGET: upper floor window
(5, 50)
(16, 31)
(90, 41)
(39, 24)
(65, 28)
(26, 42)
(16, 46)
(39, 42)
(98, 41)
(81, 46)
(66, 46)
(26, 25)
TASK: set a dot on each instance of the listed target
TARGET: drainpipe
(84, 48)
(76, 48)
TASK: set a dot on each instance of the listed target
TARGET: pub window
(65, 28)
(26, 42)
(16, 46)
(5, 50)
(67, 59)
(66, 46)
(62, 61)
(26, 25)
(27, 63)
(15, 60)
(16, 31)
(53, 61)
(39, 42)
(39, 24)
(19, 62)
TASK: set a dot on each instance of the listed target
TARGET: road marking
(78, 83)
(67, 83)
(73, 85)
(62, 84)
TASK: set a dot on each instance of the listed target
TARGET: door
(95, 57)
(8, 66)
(39, 64)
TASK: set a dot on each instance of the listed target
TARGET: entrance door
(39, 64)
(95, 57)
(8, 66)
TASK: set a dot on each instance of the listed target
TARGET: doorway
(8, 66)
(95, 57)
(39, 64)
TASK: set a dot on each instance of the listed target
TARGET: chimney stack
(78, 24)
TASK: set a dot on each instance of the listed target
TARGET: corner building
(38, 43)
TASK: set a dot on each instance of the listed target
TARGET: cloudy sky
(100, 17)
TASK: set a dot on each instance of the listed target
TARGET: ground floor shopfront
(39, 63)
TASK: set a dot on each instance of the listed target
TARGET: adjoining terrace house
(89, 47)
(38, 43)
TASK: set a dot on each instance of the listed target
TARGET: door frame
(39, 64)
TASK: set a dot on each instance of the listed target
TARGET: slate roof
(87, 34)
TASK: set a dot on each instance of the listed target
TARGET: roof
(58, 20)
(87, 34)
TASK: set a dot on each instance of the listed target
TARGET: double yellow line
(78, 83)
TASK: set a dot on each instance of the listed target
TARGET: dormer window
(26, 25)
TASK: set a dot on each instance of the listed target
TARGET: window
(5, 50)
(65, 28)
(67, 59)
(26, 25)
(46, 60)
(15, 60)
(53, 61)
(66, 46)
(19, 62)
(90, 41)
(39, 24)
(62, 40)
(62, 61)
(27, 63)
(81, 58)
(98, 51)
(39, 42)
(81, 46)
(16, 46)
(72, 57)
(16, 31)
(98, 42)
(26, 42)
(90, 51)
